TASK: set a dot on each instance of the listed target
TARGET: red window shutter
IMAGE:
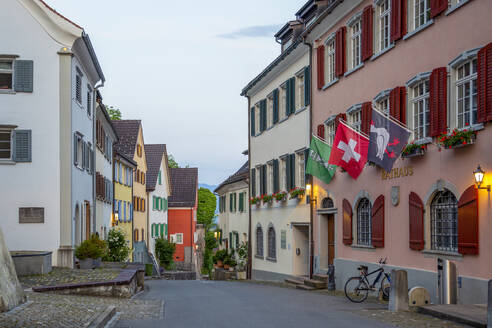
(398, 19)
(377, 228)
(340, 60)
(398, 104)
(347, 223)
(438, 101)
(366, 113)
(341, 116)
(484, 84)
(468, 222)
(416, 219)
(437, 7)
(367, 33)
(320, 56)
(321, 131)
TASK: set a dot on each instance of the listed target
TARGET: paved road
(237, 304)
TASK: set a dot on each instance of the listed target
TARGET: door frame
(293, 225)
(322, 215)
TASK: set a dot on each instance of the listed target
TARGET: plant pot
(226, 266)
(415, 153)
(460, 144)
(241, 275)
(86, 264)
(97, 262)
(220, 264)
(231, 269)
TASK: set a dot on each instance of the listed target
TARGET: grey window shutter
(265, 189)
(307, 86)
(293, 95)
(287, 173)
(22, 144)
(23, 75)
(83, 155)
(75, 144)
(275, 106)
(293, 170)
(263, 115)
(253, 182)
(306, 156)
(287, 98)
(252, 121)
(275, 176)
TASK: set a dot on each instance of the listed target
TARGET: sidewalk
(474, 315)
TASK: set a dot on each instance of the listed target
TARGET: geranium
(412, 147)
(265, 198)
(279, 196)
(456, 137)
(254, 200)
(296, 192)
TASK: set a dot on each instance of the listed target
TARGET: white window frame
(283, 174)
(8, 131)
(383, 105)
(270, 178)
(384, 24)
(269, 109)
(468, 80)
(8, 71)
(330, 48)
(281, 101)
(417, 13)
(299, 89)
(416, 101)
(356, 42)
(301, 176)
(330, 132)
(179, 238)
(354, 116)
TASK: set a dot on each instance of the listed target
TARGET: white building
(158, 191)
(48, 74)
(279, 121)
(233, 218)
(105, 138)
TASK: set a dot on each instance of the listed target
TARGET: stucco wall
(161, 190)
(124, 193)
(139, 190)
(182, 220)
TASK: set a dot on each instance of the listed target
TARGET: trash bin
(447, 282)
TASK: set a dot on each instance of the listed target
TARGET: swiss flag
(349, 150)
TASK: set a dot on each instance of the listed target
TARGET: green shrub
(149, 269)
(118, 249)
(92, 248)
(164, 250)
(220, 255)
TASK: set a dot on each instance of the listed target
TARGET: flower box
(255, 201)
(458, 139)
(280, 196)
(470, 141)
(266, 198)
(297, 193)
(413, 150)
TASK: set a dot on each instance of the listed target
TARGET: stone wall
(11, 292)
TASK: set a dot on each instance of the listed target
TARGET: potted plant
(242, 253)
(90, 252)
(266, 198)
(413, 150)
(232, 263)
(227, 262)
(457, 138)
(255, 200)
(219, 258)
(280, 196)
(297, 193)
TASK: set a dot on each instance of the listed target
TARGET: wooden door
(87, 220)
(331, 239)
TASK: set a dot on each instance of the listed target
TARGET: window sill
(7, 92)
(441, 253)
(356, 68)
(283, 120)
(363, 246)
(474, 127)
(329, 84)
(419, 29)
(300, 110)
(259, 257)
(271, 259)
(456, 6)
(7, 162)
(382, 52)
(423, 141)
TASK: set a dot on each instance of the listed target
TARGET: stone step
(304, 287)
(315, 283)
(294, 281)
(320, 277)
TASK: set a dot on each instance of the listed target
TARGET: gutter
(92, 53)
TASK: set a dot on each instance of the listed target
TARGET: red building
(182, 213)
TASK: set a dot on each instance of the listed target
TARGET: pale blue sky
(179, 66)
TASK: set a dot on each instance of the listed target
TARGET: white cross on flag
(349, 150)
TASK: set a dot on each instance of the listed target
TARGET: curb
(102, 319)
(450, 317)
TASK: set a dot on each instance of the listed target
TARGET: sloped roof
(56, 12)
(184, 183)
(241, 174)
(154, 154)
(127, 131)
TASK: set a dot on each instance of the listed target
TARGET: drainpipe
(311, 198)
(250, 262)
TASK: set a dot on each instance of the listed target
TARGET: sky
(180, 66)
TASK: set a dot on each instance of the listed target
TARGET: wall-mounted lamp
(308, 194)
(215, 234)
(479, 174)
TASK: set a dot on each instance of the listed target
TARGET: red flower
(464, 142)
(467, 124)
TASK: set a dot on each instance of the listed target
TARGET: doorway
(87, 220)
(326, 247)
(331, 239)
(301, 249)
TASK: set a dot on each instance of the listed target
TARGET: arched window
(136, 234)
(444, 222)
(259, 241)
(364, 222)
(272, 246)
(327, 202)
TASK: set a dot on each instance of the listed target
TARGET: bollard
(489, 306)
(399, 291)
(331, 277)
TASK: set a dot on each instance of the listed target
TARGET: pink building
(428, 64)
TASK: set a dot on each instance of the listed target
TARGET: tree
(172, 162)
(207, 203)
(165, 250)
(114, 113)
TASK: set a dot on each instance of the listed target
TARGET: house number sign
(397, 173)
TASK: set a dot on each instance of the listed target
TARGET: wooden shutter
(287, 173)
(484, 84)
(468, 222)
(293, 170)
(398, 104)
(377, 227)
(265, 189)
(252, 114)
(287, 98)
(416, 221)
(263, 115)
(276, 185)
(437, 7)
(367, 33)
(438, 98)
(321, 131)
(275, 106)
(307, 85)
(366, 117)
(341, 116)
(241, 202)
(23, 75)
(293, 95)
(22, 145)
(253, 182)
(398, 26)
(340, 57)
(320, 63)
(347, 223)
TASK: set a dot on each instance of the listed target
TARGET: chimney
(297, 28)
(321, 5)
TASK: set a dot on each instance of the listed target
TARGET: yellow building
(123, 195)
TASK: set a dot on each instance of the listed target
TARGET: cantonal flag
(317, 162)
(349, 150)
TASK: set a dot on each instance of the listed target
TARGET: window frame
(384, 15)
(415, 101)
(471, 81)
(10, 142)
(330, 62)
(259, 242)
(10, 71)
(272, 244)
(355, 42)
(426, 14)
(299, 88)
(364, 229)
(452, 246)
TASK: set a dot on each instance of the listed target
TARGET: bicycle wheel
(356, 289)
(385, 288)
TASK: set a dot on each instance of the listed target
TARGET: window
(269, 189)
(364, 222)
(143, 234)
(283, 175)
(259, 242)
(466, 93)
(269, 110)
(330, 61)
(283, 239)
(282, 100)
(89, 101)
(420, 105)
(78, 86)
(444, 222)
(330, 133)
(422, 12)
(179, 238)
(383, 105)
(272, 250)
(300, 90)
(355, 42)
(355, 119)
(5, 144)
(384, 11)
(6, 74)
(302, 174)
(136, 234)
(80, 146)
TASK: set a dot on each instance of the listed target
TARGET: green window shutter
(306, 155)
(287, 98)
(307, 86)
(160, 181)
(162, 230)
(276, 187)
(230, 240)
(235, 202)
(241, 205)
(293, 170)
(252, 121)
(264, 178)
(275, 106)
(230, 203)
(287, 173)
(253, 182)
(165, 230)
(293, 95)
(21, 146)
(23, 75)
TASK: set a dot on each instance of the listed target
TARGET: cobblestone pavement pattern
(70, 311)
(61, 276)
(408, 319)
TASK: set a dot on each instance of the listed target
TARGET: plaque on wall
(31, 214)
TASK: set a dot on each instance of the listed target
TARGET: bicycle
(357, 288)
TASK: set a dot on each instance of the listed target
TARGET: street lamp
(479, 174)
(308, 194)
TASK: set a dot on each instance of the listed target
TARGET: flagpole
(392, 119)
(351, 128)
